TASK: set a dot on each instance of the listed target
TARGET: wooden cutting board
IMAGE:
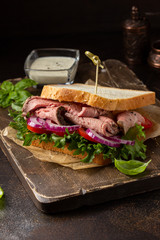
(55, 188)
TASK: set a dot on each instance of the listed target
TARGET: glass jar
(154, 55)
(52, 65)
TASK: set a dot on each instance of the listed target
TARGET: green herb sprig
(131, 167)
(1, 192)
(15, 95)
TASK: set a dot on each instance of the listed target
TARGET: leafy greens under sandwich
(80, 128)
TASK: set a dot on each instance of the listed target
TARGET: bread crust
(50, 146)
(141, 98)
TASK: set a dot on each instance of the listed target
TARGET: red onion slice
(101, 139)
(41, 121)
(57, 128)
(33, 122)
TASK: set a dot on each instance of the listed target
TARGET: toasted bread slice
(50, 146)
(111, 99)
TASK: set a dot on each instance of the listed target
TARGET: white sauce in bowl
(47, 70)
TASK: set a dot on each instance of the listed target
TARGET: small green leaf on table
(131, 167)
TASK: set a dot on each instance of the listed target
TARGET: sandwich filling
(87, 133)
(68, 113)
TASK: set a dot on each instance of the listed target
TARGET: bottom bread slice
(50, 146)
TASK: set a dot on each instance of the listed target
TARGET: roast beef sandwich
(94, 128)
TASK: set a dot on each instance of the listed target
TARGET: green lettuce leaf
(138, 150)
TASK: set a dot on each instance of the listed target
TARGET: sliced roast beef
(35, 102)
(128, 119)
(93, 123)
(73, 108)
(112, 126)
(83, 115)
(56, 114)
(92, 112)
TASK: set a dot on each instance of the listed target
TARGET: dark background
(87, 25)
(59, 18)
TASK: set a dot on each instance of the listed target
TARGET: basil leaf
(23, 95)
(24, 83)
(1, 192)
(6, 102)
(13, 95)
(10, 93)
(2, 94)
(16, 106)
(7, 86)
(131, 167)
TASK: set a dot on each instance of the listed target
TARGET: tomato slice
(83, 133)
(42, 130)
(61, 134)
(37, 130)
(147, 124)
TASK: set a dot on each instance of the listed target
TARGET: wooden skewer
(95, 59)
(97, 68)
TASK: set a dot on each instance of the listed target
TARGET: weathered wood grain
(55, 188)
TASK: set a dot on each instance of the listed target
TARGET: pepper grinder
(136, 37)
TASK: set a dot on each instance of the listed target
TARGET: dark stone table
(136, 217)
